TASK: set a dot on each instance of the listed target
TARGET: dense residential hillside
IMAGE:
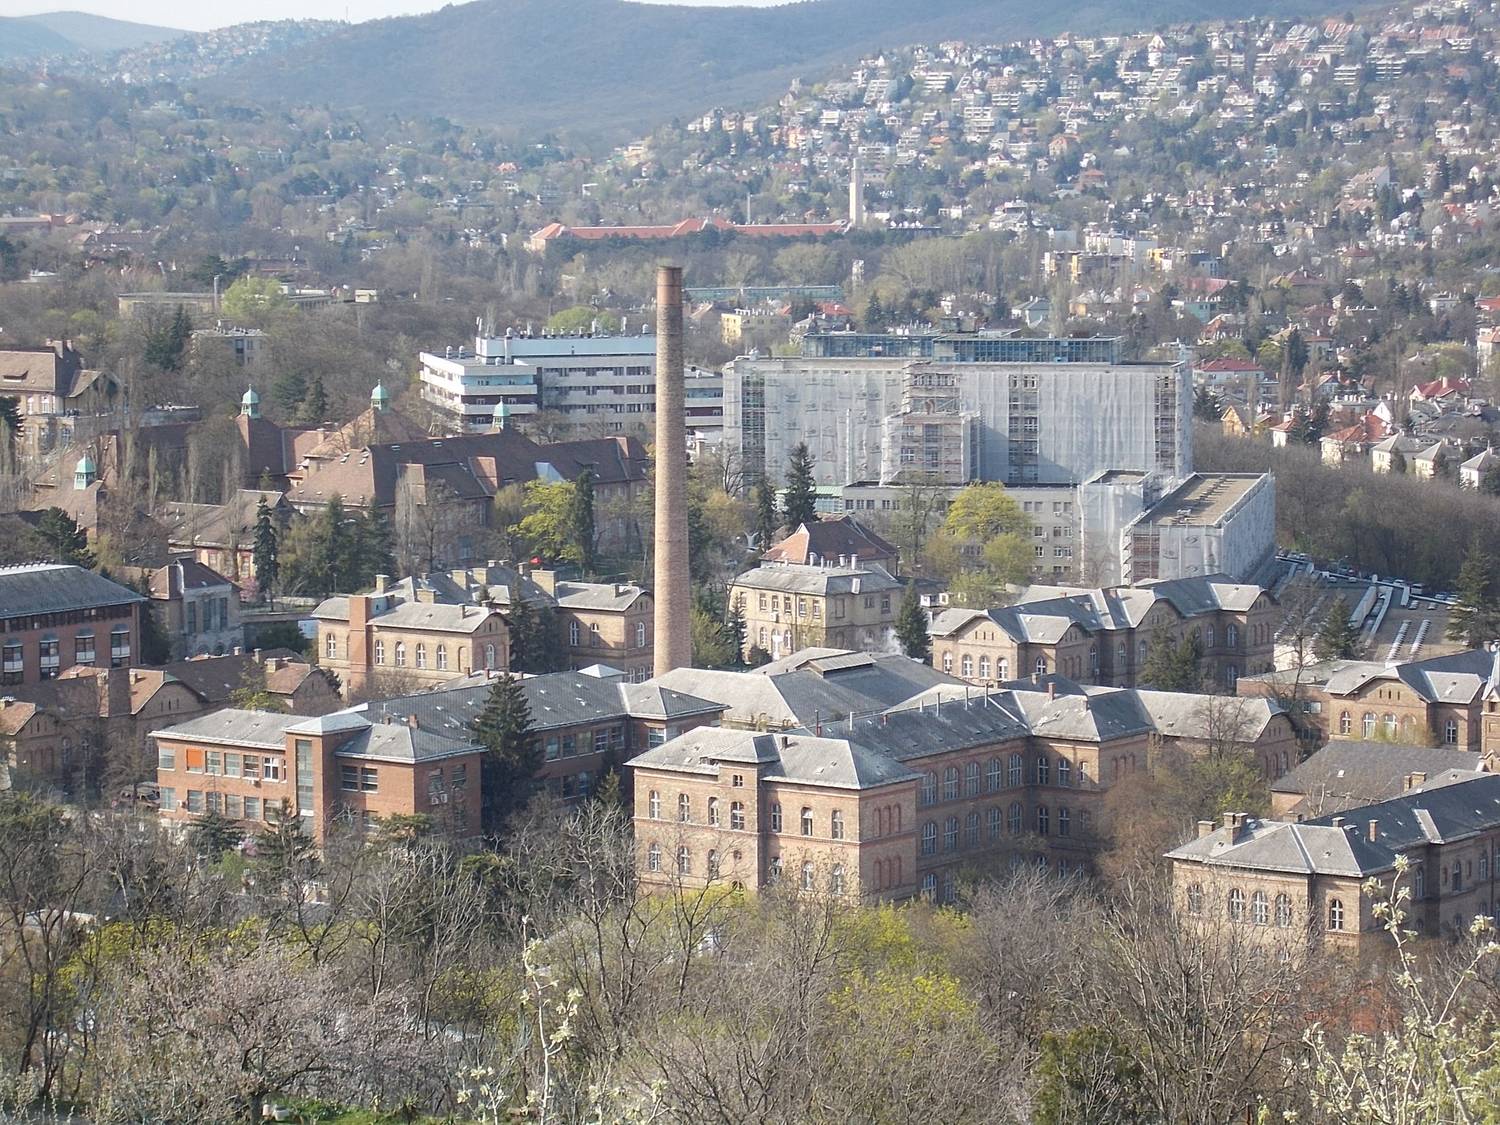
(69, 33)
(612, 66)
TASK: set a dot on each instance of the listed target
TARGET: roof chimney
(381, 581)
(1051, 689)
(411, 721)
(1416, 780)
(1374, 830)
(1338, 822)
(1204, 828)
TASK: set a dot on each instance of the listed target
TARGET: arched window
(575, 633)
(1450, 732)
(1041, 666)
(653, 858)
(807, 822)
(1043, 821)
(1017, 765)
(950, 783)
(950, 834)
(1002, 669)
(1390, 724)
(809, 875)
(1369, 724)
(1064, 821)
(1208, 636)
(1195, 898)
(1013, 818)
(775, 818)
(1283, 911)
(640, 634)
(421, 655)
(984, 667)
(489, 657)
(966, 667)
(684, 808)
(684, 861)
(993, 775)
(836, 825)
(948, 663)
(994, 819)
(1140, 652)
(1043, 770)
(929, 788)
(971, 830)
(929, 886)
(1231, 635)
(400, 654)
(1260, 910)
(379, 651)
(1236, 905)
(331, 647)
(442, 658)
(1335, 914)
(971, 779)
(1064, 772)
(713, 812)
(737, 816)
(713, 864)
(773, 872)
(1346, 724)
(929, 837)
(836, 879)
(653, 805)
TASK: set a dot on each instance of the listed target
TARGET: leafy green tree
(582, 318)
(166, 342)
(766, 521)
(213, 834)
(253, 694)
(1090, 1074)
(547, 526)
(256, 301)
(1475, 615)
(581, 520)
(981, 512)
(65, 541)
(799, 505)
(266, 555)
(512, 756)
(1206, 405)
(911, 626)
(713, 646)
(1337, 639)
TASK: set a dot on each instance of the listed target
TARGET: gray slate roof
(1339, 844)
(793, 578)
(1347, 774)
(235, 727)
(842, 763)
(56, 588)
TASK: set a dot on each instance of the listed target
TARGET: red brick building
(57, 616)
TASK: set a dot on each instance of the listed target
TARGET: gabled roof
(822, 581)
(796, 757)
(831, 540)
(1346, 774)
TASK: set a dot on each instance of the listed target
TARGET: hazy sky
(199, 15)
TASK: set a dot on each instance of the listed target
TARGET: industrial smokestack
(674, 647)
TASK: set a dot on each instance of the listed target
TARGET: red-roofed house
(1353, 442)
(1446, 390)
(540, 240)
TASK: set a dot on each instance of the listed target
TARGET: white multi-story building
(602, 383)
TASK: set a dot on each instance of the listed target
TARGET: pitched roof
(235, 727)
(840, 763)
(1346, 774)
(830, 539)
(57, 588)
(792, 578)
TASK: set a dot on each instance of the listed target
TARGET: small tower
(250, 403)
(856, 194)
(380, 398)
(502, 414)
(85, 473)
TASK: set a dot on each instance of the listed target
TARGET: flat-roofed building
(1211, 523)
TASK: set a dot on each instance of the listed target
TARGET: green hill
(610, 68)
(22, 39)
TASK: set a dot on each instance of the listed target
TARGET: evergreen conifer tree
(315, 405)
(66, 541)
(511, 756)
(800, 503)
(522, 623)
(581, 520)
(766, 521)
(213, 834)
(1475, 616)
(911, 626)
(266, 556)
(1337, 639)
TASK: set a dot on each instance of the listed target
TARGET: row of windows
(996, 823)
(230, 805)
(736, 820)
(220, 763)
(399, 651)
(1259, 910)
(1389, 724)
(49, 654)
(683, 865)
(599, 741)
(575, 634)
(994, 778)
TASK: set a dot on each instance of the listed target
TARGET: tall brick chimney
(672, 597)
